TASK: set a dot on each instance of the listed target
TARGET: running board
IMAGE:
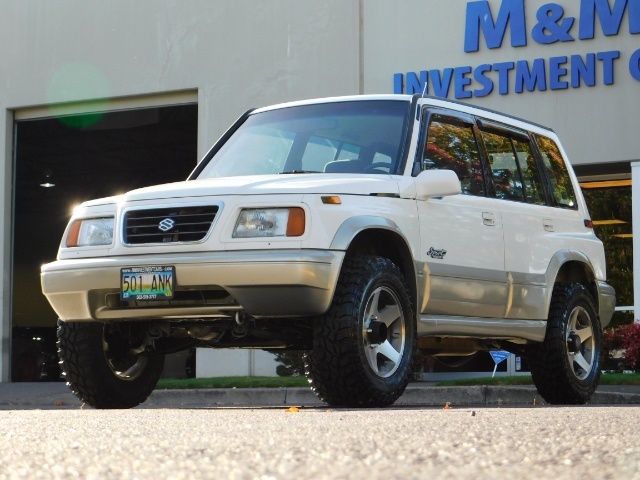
(478, 327)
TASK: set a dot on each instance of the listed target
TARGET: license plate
(147, 283)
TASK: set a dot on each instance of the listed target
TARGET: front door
(462, 244)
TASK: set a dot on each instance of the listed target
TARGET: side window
(515, 171)
(530, 173)
(557, 171)
(452, 145)
(504, 166)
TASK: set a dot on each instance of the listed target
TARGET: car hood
(354, 184)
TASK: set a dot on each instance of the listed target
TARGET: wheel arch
(572, 266)
(371, 235)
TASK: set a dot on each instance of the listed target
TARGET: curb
(413, 396)
(34, 396)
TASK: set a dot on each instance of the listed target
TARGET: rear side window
(504, 167)
(561, 186)
(531, 178)
(515, 172)
(451, 145)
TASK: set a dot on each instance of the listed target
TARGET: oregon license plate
(147, 283)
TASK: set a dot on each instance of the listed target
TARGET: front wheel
(103, 367)
(566, 366)
(364, 344)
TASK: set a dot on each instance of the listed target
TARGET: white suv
(358, 229)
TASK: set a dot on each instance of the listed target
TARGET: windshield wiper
(298, 171)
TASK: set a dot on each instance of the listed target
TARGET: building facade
(99, 97)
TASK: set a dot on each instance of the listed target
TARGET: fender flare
(556, 263)
(353, 226)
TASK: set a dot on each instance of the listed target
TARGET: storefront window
(610, 208)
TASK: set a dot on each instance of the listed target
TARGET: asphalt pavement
(58, 395)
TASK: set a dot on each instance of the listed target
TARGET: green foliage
(608, 379)
(298, 381)
(516, 380)
(292, 363)
(231, 382)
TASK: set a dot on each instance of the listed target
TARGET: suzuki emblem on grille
(166, 224)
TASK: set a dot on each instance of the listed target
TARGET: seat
(345, 166)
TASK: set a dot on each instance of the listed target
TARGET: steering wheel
(377, 166)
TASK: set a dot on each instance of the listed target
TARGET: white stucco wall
(237, 53)
(223, 363)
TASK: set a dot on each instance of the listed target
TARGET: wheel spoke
(573, 319)
(585, 333)
(372, 358)
(389, 314)
(387, 351)
(582, 362)
(373, 304)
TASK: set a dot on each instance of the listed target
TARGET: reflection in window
(610, 210)
(515, 171)
(335, 137)
(530, 173)
(452, 145)
(557, 172)
(260, 151)
(502, 160)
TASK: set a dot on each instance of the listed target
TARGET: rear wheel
(566, 366)
(102, 366)
(364, 344)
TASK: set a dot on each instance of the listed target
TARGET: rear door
(537, 220)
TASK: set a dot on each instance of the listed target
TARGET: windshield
(345, 137)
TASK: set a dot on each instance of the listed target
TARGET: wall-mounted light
(47, 183)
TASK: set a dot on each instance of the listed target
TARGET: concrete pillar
(635, 200)
(6, 175)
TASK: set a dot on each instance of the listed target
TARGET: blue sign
(540, 74)
(499, 356)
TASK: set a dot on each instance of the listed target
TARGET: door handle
(547, 223)
(489, 219)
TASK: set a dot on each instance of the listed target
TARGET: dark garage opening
(60, 162)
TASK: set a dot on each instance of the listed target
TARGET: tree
(292, 363)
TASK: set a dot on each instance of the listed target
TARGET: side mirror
(437, 183)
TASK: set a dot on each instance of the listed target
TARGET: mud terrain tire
(100, 371)
(566, 366)
(364, 344)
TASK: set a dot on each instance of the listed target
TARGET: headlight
(90, 231)
(270, 222)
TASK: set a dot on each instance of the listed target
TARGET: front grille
(168, 225)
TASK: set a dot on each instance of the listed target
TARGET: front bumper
(262, 283)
